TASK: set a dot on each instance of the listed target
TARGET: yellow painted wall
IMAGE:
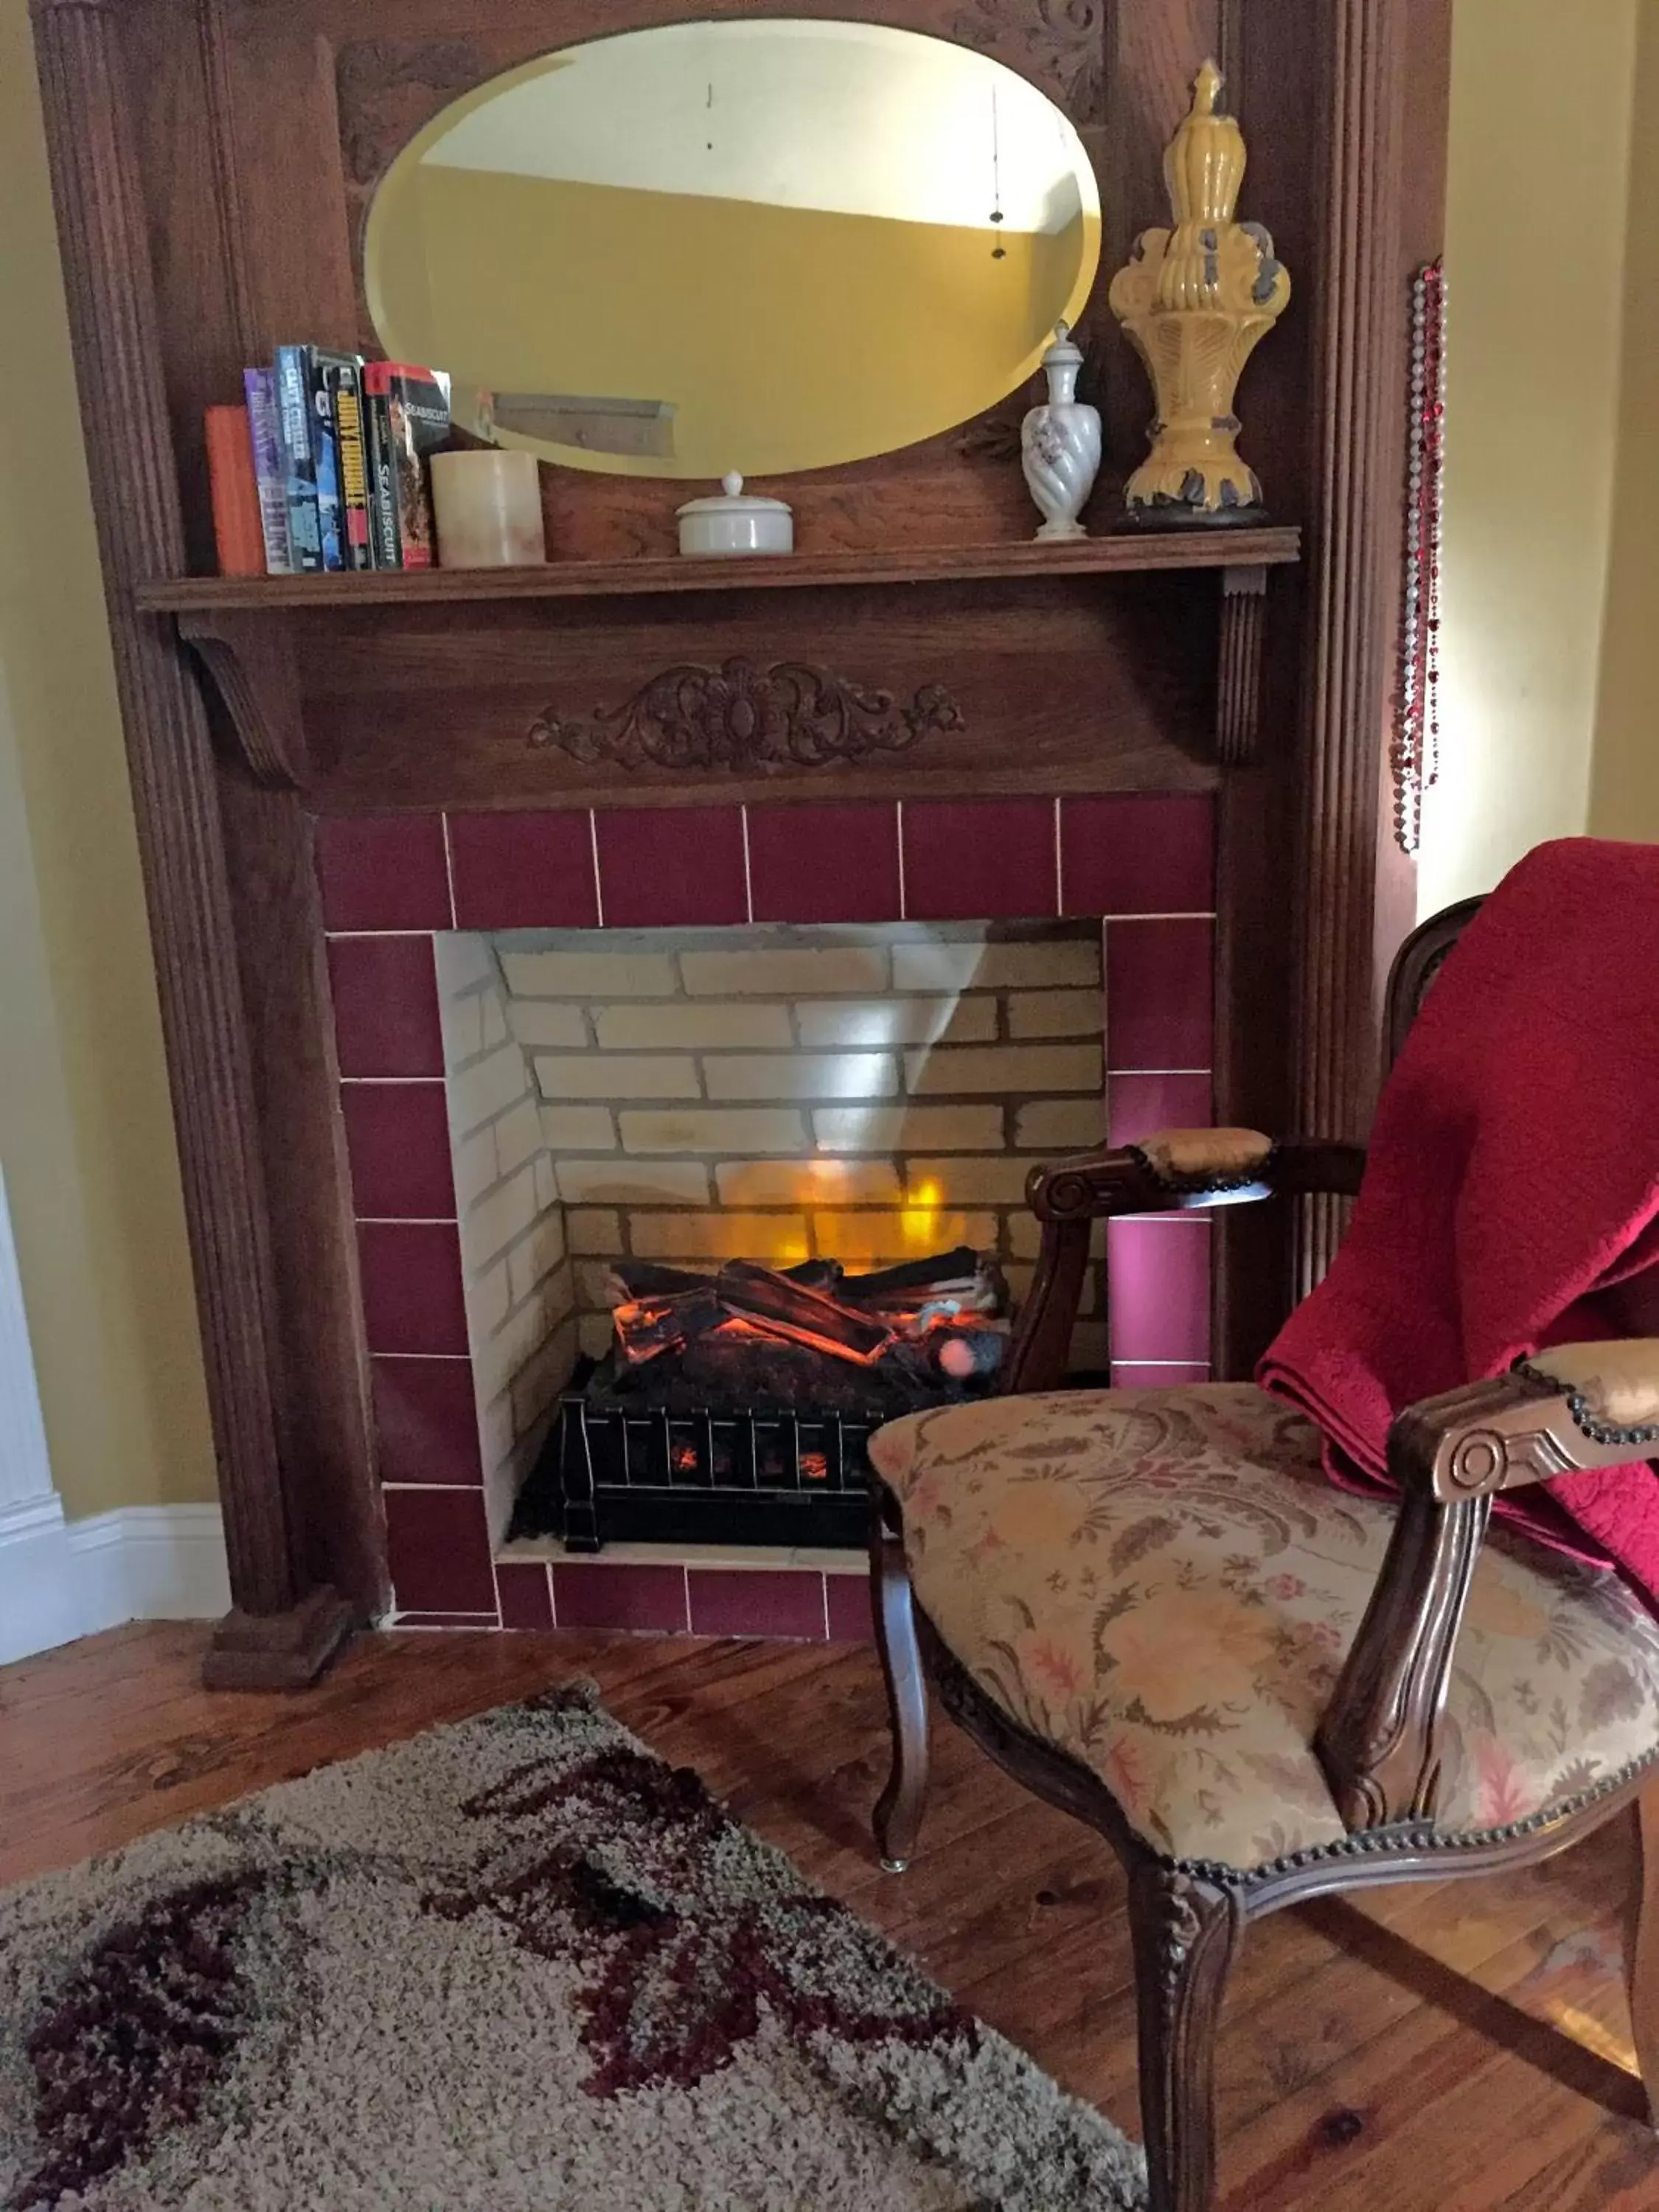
(1625, 786)
(785, 337)
(1540, 135)
(85, 1130)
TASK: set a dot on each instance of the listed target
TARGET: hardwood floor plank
(1335, 2135)
(1290, 2030)
(1402, 2055)
(1612, 2169)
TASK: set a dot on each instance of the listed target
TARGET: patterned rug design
(518, 1965)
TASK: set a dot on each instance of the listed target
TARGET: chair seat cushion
(1163, 1585)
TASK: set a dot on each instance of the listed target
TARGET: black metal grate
(755, 1477)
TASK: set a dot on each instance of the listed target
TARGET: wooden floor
(1460, 2046)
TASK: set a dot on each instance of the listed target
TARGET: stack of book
(325, 468)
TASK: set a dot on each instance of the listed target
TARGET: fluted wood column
(1360, 384)
(280, 1632)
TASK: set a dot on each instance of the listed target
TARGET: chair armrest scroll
(1574, 1407)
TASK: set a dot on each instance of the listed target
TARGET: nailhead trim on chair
(1248, 1179)
(1413, 1835)
(1583, 1420)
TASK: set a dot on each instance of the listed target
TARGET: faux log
(808, 1317)
(650, 1278)
(664, 1308)
(647, 1328)
(913, 1282)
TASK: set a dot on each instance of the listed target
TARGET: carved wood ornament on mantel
(211, 163)
(738, 716)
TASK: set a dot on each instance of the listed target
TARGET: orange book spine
(235, 493)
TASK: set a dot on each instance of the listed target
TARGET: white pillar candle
(488, 507)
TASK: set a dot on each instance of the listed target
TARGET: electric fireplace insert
(736, 1407)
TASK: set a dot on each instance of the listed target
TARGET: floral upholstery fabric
(1163, 1585)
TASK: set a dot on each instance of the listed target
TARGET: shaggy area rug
(516, 1965)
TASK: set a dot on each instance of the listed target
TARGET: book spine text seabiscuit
(382, 473)
(409, 418)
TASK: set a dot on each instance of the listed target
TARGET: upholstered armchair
(1154, 1610)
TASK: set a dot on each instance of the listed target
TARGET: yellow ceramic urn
(1194, 300)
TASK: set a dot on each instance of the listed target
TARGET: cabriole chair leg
(899, 1808)
(1185, 1934)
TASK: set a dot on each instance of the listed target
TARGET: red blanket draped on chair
(1512, 1183)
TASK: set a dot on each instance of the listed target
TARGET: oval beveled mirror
(767, 245)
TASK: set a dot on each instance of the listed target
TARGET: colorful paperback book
(325, 455)
(344, 505)
(259, 387)
(294, 419)
(382, 475)
(354, 464)
(234, 490)
(408, 419)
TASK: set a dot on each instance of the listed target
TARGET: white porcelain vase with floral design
(1060, 443)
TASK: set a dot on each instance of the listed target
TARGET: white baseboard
(61, 1579)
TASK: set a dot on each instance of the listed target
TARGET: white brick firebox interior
(866, 1094)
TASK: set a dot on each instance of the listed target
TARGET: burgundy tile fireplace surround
(1142, 865)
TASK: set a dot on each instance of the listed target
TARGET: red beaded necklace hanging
(1414, 754)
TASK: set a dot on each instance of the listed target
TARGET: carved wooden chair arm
(1175, 1171)
(1574, 1407)
(1183, 1168)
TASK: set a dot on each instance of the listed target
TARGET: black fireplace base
(746, 1477)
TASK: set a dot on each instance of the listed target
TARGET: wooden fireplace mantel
(440, 689)
(213, 161)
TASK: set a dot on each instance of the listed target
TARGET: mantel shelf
(541, 685)
(1127, 554)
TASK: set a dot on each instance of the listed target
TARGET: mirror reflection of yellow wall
(762, 245)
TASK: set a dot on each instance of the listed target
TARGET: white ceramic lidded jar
(736, 523)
